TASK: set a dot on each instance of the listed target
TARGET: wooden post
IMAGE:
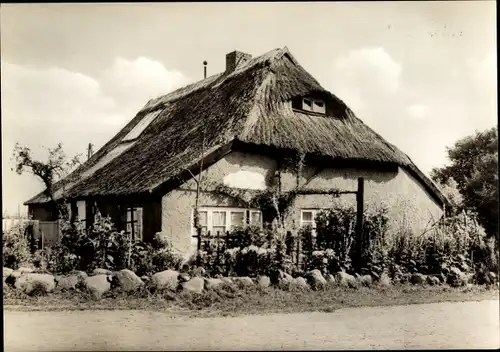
(129, 248)
(298, 250)
(218, 247)
(359, 224)
(198, 232)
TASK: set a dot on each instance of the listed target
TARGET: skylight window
(141, 126)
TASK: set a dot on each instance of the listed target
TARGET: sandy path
(439, 325)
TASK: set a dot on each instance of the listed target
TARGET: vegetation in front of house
(254, 267)
(270, 268)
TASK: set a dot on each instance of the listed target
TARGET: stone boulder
(127, 281)
(433, 280)
(98, 284)
(263, 281)
(199, 272)
(17, 274)
(184, 277)
(31, 283)
(167, 279)
(195, 285)
(346, 280)
(82, 275)
(227, 280)
(418, 279)
(315, 279)
(281, 278)
(456, 277)
(26, 270)
(68, 282)
(365, 280)
(302, 283)
(6, 273)
(243, 281)
(330, 278)
(100, 271)
(211, 284)
(384, 280)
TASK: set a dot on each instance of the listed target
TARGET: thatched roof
(249, 105)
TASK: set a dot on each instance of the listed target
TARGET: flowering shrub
(249, 251)
(456, 241)
(247, 236)
(102, 246)
(324, 260)
(253, 261)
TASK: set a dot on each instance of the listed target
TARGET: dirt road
(439, 325)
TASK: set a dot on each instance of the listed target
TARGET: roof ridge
(274, 54)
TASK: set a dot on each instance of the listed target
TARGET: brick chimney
(235, 59)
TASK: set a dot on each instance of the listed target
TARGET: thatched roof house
(265, 106)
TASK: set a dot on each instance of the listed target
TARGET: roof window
(309, 104)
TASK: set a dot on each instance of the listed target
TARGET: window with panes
(133, 224)
(222, 220)
(307, 218)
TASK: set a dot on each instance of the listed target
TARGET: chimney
(204, 69)
(235, 59)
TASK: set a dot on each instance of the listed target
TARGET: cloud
(418, 113)
(133, 83)
(366, 73)
(44, 106)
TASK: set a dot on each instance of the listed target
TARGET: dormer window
(319, 106)
(309, 104)
(314, 105)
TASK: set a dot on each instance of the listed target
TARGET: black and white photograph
(249, 176)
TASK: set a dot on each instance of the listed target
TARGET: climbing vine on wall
(274, 202)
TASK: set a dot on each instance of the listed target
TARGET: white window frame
(314, 107)
(227, 225)
(312, 222)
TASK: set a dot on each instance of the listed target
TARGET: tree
(56, 168)
(474, 167)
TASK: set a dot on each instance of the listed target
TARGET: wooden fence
(42, 234)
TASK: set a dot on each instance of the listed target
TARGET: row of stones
(102, 280)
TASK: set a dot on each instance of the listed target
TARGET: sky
(421, 74)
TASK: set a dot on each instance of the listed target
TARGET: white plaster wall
(408, 202)
(236, 169)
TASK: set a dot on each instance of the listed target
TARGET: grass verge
(253, 300)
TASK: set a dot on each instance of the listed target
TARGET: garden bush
(249, 251)
(455, 241)
(16, 251)
(102, 246)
